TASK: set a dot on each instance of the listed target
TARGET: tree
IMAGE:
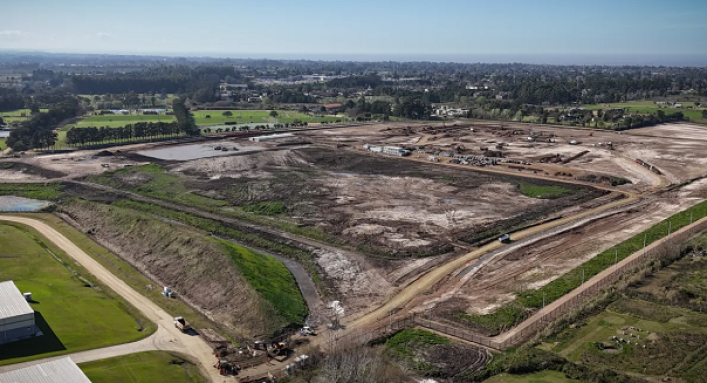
(704, 114)
(273, 114)
(2, 122)
(185, 119)
(227, 113)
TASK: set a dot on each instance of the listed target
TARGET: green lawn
(256, 117)
(538, 377)
(144, 367)
(3, 145)
(124, 271)
(543, 192)
(49, 192)
(72, 316)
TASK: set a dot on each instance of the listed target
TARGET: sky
(449, 30)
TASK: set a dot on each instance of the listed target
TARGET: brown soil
(539, 263)
(380, 205)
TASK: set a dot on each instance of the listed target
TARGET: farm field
(538, 377)
(72, 315)
(145, 367)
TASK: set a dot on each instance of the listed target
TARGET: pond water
(18, 204)
(196, 151)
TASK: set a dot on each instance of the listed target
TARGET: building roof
(12, 302)
(332, 106)
(57, 371)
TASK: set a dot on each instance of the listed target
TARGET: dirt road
(425, 282)
(189, 345)
(589, 285)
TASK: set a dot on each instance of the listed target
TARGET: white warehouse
(271, 137)
(57, 371)
(392, 150)
(16, 315)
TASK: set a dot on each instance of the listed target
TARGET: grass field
(646, 107)
(116, 121)
(48, 192)
(124, 271)
(3, 145)
(72, 316)
(538, 377)
(543, 192)
(672, 340)
(144, 367)
(16, 115)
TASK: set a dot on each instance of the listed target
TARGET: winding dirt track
(192, 346)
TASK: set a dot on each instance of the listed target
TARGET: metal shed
(16, 315)
(57, 371)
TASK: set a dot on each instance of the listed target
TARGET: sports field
(73, 312)
(144, 367)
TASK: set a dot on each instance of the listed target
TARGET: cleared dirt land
(675, 149)
(534, 266)
(378, 204)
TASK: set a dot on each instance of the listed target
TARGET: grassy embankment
(50, 192)
(514, 312)
(144, 367)
(266, 275)
(169, 187)
(72, 315)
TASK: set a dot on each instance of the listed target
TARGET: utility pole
(582, 276)
(543, 306)
(616, 262)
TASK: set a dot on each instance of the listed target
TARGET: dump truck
(181, 324)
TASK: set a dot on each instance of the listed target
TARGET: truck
(505, 238)
(181, 324)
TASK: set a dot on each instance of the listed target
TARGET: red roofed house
(332, 107)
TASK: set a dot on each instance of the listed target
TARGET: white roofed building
(16, 315)
(57, 371)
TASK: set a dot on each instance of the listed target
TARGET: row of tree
(137, 131)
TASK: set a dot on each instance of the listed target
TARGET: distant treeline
(38, 132)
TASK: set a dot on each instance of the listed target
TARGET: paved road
(160, 340)
(189, 345)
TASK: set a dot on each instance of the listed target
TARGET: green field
(538, 377)
(49, 192)
(16, 115)
(3, 145)
(649, 107)
(144, 367)
(542, 192)
(72, 315)
(672, 340)
(116, 121)
(124, 271)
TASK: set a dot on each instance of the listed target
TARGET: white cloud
(102, 36)
(11, 36)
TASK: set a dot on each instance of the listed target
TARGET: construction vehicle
(279, 351)
(505, 238)
(307, 331)
(181, 324)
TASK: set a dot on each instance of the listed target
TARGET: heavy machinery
(181, 324)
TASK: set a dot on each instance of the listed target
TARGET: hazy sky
(374, 27)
